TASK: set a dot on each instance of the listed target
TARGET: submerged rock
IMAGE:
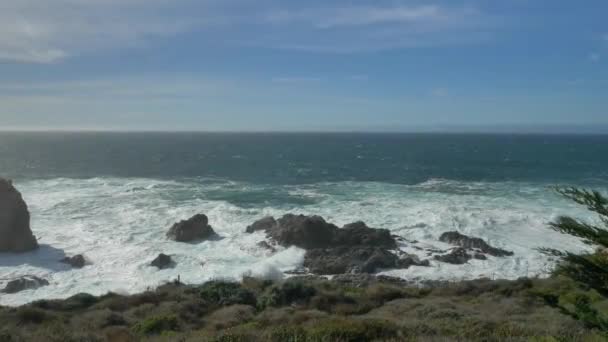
(76, 261)
(15, 233)
(195, 228)
(24, 283)
(162, 261)
(457, 256)
(455, 238)
(407, 260)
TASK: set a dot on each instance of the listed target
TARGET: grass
(314, 309)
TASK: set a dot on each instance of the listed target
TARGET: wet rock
(24, 283)
(266, 245)
(194, 229)
(162, 261)
(15, 233)
(76, 261)
(265, 223)
(480, 256)
(306, 232)
(457, 256)
(455, 238)
(359, 234)
(407, 260)
(311, 232)
(339, 260)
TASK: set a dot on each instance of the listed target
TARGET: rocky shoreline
(354, 248)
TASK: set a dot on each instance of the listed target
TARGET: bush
(287, 293)
(352, 330)
(226, 293)
(157, 325)
(31, 315)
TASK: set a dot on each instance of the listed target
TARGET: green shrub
(352, 330)
(287, 293)
(31, 315)
(226, 293)
(157, 325)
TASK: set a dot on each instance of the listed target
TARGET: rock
(24, 283)
(407, 260)
(359, 234)
(455, 238)
(265, 223)
(162, 261)
(457, 256)
(311, 232)
(339, 260)
(195, 228)
(76, 261)
(15, 233)
(266, 245)
(303, 231)
(480, 256)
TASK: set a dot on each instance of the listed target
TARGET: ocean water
(113, 196)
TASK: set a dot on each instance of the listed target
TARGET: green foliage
(287, 293)
(157, 325)
(226, 293)
(352, 330)
(590, 270)
(29, 315)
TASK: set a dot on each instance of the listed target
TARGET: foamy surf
(119, 224)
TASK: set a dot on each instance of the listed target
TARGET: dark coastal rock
(457, 256)
(407, 260)
(311, 232)
(162, 261)
(24, 283)
(306, 232)
(76, 261)
(195, 228)
(354, 248)
(349, 260)
(359, 234)
(265, 223)
(266, 245)
(455, 238)
(15, 233)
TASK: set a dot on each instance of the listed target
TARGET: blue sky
(302, 65)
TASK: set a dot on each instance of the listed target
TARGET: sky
(268, 65)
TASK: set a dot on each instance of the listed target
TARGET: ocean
(113, 196)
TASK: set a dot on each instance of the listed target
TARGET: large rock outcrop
(15, 233)
(354, 248)
(193, 229)
(455, 238)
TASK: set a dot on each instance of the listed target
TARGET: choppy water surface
(112, 197)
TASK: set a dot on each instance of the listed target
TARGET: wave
(120, 224)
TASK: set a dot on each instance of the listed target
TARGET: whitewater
(119, 224)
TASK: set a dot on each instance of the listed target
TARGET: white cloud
(46, 31)
(346, 29)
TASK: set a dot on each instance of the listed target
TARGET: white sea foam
(119, 225)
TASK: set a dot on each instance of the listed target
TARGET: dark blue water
(307, 158)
